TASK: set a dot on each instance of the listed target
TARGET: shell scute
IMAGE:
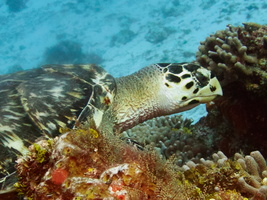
(41, 102)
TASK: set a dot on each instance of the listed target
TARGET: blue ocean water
(120, 35)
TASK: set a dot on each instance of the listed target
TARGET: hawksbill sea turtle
(38, 103)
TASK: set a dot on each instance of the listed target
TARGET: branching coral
(222, 178)
(237, 52)
(170, 136)
(83, 164)
(238, 57)
(214, 178)
(256, 181)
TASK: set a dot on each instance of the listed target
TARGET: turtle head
(186, 85)
(161, 89)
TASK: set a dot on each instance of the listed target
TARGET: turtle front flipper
(39, 102)
(66, 95)
(16, 128)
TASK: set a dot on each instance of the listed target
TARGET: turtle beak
(209, 93)
(216, 87)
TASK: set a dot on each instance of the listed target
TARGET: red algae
(59, 176)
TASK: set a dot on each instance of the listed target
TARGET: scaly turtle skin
(40, 102)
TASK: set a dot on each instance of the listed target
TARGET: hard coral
(170, 136)
(256, 181)
(237, 53)
(223, 178)
(213, 177)
(238, 57)
(83, 164)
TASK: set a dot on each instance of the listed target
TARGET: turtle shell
(39, 102)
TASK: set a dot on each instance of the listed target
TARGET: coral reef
(238, 57)
(223, 178)
(215, 179)
(237, 54)
(82, 164)
(255, 183)
(171, 136)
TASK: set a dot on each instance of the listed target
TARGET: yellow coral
(187, 130)
(41, 153)
(20, 188)
(64, 129)
(94, 133)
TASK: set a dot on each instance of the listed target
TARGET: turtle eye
(202, 80)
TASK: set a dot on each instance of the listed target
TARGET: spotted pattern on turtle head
(188, 84)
